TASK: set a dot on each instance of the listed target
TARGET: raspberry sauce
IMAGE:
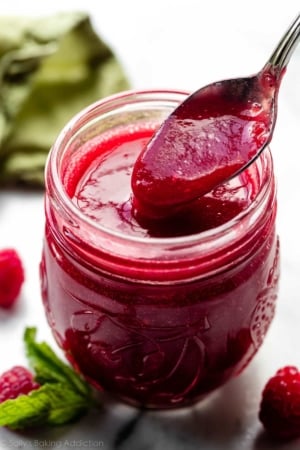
(156, 313)
(103, 191)
(210, 137)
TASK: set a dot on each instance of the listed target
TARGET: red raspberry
(280, 404)
(11, 277)
(15, 382)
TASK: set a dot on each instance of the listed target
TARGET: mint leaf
(25, 411)
(66, 405)
(48, 367)
(51, 404)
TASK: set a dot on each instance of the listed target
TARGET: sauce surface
(102, 191)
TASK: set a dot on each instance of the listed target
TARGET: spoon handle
(283, 52)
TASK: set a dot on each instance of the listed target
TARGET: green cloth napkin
(50, 68)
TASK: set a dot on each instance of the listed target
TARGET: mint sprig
(63, 396)
(48, 367)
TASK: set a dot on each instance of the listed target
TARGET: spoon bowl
(212, 136)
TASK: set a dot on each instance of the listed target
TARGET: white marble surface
(175, 44)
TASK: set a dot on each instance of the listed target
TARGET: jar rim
(64, 199)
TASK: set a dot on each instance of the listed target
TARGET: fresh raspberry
(11, 277)
(280, 404)
(15, 382)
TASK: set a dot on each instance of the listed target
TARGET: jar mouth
(121, 100)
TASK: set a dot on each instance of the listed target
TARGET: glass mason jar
(156, 322)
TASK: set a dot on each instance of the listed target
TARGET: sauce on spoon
(211, 137)
(203, 143)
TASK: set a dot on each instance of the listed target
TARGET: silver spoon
(212, 136)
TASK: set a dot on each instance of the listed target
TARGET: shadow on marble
(223, 421)
(264, 442)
